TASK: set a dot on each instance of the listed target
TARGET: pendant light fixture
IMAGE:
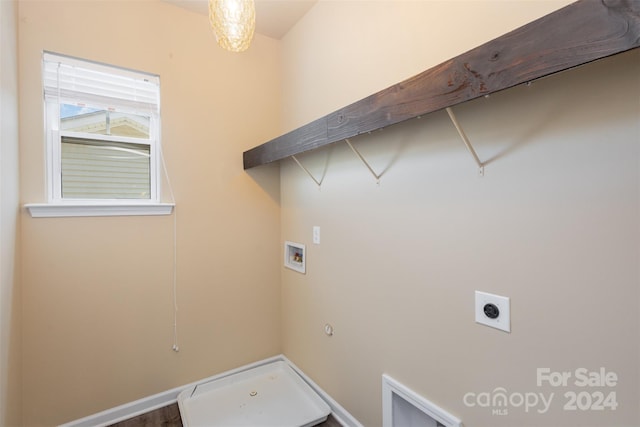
(233, 23)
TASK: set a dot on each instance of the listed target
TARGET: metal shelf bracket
(318, 183)
(375, 175)
(466, 141)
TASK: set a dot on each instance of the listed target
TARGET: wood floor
(169, 416)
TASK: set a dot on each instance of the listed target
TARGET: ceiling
(274, 18)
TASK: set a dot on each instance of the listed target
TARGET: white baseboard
(126, 411)
(147, 404)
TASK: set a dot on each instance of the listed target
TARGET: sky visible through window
(68, 110)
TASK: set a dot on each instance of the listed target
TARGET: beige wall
(345, 50)
(10, 341)
(553, 224)
(98, 307)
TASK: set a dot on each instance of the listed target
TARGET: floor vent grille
(402, 407)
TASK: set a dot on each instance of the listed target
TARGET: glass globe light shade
(233, 23)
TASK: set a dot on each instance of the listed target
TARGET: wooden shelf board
(577, 34)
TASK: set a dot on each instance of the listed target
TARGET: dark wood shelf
(577, 34)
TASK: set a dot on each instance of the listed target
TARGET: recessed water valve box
(493, 310)
(295, 257)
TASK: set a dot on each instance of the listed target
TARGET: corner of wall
(10, 299)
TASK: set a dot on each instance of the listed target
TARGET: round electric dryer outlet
(493, 310)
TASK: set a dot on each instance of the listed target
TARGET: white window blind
(119, 89)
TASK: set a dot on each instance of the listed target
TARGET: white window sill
(49, 210)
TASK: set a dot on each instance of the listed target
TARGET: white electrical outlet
(493, 310)
(316, 234)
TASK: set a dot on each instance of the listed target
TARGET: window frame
(56, 204)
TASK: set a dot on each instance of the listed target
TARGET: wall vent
(402, 407)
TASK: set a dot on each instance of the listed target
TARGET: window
(102, 128)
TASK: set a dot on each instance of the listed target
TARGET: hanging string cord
(175, 347)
